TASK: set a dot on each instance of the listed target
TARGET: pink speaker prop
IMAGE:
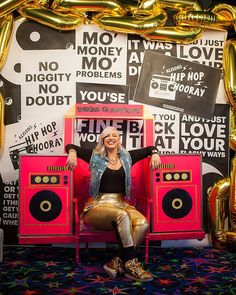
(45, 196)
(177, 194)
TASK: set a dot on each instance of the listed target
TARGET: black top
(113, 181)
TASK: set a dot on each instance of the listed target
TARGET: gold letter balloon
(6, 24)
(229, 71)
(232, 133)
(218, 199)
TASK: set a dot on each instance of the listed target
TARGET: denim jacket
(97, 167)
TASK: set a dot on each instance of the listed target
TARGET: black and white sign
(100, 93)
(177, 85)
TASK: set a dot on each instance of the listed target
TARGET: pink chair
(139, 191)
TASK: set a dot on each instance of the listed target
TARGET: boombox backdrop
(177, 196)
(47, 72)
(45, 196)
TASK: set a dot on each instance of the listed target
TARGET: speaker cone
(45, 205)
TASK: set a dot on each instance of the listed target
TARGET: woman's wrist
(154, 151)
(72, 151)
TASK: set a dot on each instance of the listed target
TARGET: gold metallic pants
(108, 209)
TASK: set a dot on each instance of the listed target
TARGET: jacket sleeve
(140, 154)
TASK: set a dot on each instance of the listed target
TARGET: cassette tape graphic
(162, 87)
(16, 150)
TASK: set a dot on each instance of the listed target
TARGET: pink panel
(177, 194)
(45, 196)
(148, 132)
(68, 130)
(96, 111)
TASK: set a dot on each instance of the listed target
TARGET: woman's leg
(133, 268)
(104, 217)
(131, 227)
(110, 217)
(139, 225)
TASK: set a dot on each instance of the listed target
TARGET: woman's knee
(122, 216)
(140, 220)
(144, 225)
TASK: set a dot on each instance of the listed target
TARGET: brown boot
(114, 267)
(134, 271)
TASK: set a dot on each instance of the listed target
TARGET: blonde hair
(100, 148)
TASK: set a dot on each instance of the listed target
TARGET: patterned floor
(50, 270)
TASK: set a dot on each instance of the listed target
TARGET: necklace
(112, 161)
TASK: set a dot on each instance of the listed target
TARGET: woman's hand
(71, 162)
(155, 161)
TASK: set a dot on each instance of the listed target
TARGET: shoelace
(137, 268)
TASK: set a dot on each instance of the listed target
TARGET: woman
(106, 209)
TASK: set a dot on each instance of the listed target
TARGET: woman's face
(112, 140)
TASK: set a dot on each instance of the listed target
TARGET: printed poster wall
(47, 72)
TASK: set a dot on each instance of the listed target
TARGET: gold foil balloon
(227, 12)
(232, 133)
(178, 34)
(218, 199)
(45, 3)
(112, 7)
(7, 6)
(1, 121)
(148, 7)
(6, 24)
(232, 200)
(129, 6)
(175, 34)
(229, 71)
(177, 5)
(127, 24)
(203, 19)
(52, 19)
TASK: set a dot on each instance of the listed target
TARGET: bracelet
(154, 152)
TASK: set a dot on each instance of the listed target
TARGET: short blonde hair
(100, 148)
